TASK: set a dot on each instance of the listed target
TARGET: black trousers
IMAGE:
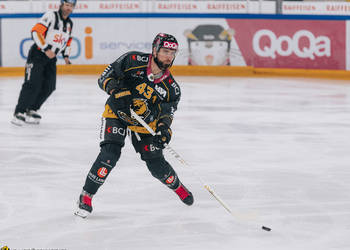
(39, 81)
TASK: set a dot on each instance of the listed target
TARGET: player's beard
(161, 65)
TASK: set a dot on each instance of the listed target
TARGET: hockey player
(51, 35)
(143, 82)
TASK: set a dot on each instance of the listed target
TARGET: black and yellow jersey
(152, 99)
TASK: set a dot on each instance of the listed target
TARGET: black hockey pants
(39, 81)
(113, 133)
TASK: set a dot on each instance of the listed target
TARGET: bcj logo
(286, 46)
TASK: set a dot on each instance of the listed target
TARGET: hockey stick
(183, 162)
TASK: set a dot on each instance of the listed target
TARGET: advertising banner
(139, 6)
(102, 6)
(316, 8)
(81, 6)
(213, 7)
(101, 41)
(291, 43)
(213, 41)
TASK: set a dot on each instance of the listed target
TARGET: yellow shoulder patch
(121, 94)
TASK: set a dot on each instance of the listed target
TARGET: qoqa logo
(170, 45)
(286, 46)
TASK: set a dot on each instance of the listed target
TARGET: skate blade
(81, 213)
(17, 122)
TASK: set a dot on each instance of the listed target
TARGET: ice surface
(275, 150)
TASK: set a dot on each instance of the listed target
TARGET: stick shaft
(237, 216)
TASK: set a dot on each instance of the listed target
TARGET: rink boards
(248, 43)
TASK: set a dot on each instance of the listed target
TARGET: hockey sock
(101, 168)
(162, 170)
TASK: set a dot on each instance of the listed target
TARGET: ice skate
(18, 119)
(185, 195)
(84, 204)
(32, 117)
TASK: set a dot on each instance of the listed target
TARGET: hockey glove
(120, 104)
(163, 136)
(112, 86)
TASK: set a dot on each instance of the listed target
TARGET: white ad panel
(81, 6)
(213, 7)
(143, 6)
(266, 7)
(15, 45)
(101, 41)
(316, 8)
(102, 6)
